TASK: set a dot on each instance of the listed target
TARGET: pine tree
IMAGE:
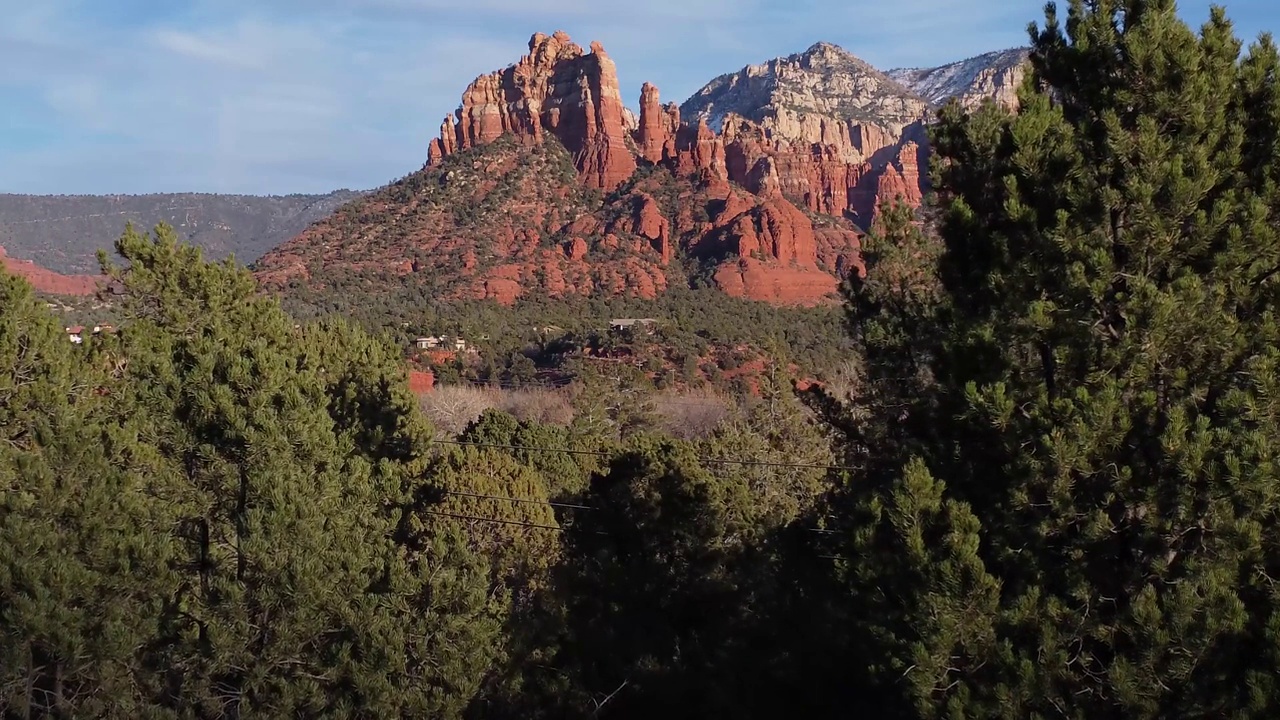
(504, 509)
(83, 547)
(895, 313)
(655, 616)
(291, 463)
(793, 453)
(563, 474)
(920, 607)
(1105, 373)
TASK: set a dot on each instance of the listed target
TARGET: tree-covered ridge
(62, 232)
(1052, 493)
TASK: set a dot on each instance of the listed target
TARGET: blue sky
(280, 96)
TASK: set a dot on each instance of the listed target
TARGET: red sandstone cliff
(504, 207)
(821, 127)
(900, 180)
(556, 88)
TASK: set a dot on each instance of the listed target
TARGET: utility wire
(494, 520)
(552, 503)
(600, 453)
(519, 500)
(556, 528)
(659, 399)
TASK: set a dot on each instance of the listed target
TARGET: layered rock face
(762, 174)
(991, 76)
(822, 127)
(47, 281)
(556, 88)
(800, 95)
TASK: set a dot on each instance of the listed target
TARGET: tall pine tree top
(1106, 372)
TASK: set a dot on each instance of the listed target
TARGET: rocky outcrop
(762, 178)
(900, 181)
(776, 253)
(817, 176)
(656, 131)
(556, 88)
(991, 76)
(755, 280)
(774, 230)
(790, 156)
(820, 128)
(800, 94)
(649, 223)
(47, 281)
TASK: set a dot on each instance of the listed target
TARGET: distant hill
(63, 232)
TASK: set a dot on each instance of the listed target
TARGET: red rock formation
(775, 230)
(836, 178)
(47, 281)
(656, 134)
(554, 88)
(755, 280)
(577, 249)
(900, 181)
(649, 136)
(648, 222)
(780, 256)
(699, 153)
(829, 178)
(751, 198)
(839, 250)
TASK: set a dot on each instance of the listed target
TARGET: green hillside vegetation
(1054, 493)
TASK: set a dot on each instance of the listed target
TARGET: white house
(620, 323)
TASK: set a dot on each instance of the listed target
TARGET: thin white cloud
(308, 95)
(196, 47)
(80, 98)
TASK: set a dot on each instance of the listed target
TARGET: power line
(456, 516)
(656, 399)
(519, 500)
(600, 453)
(553, 503)
(557, 528)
